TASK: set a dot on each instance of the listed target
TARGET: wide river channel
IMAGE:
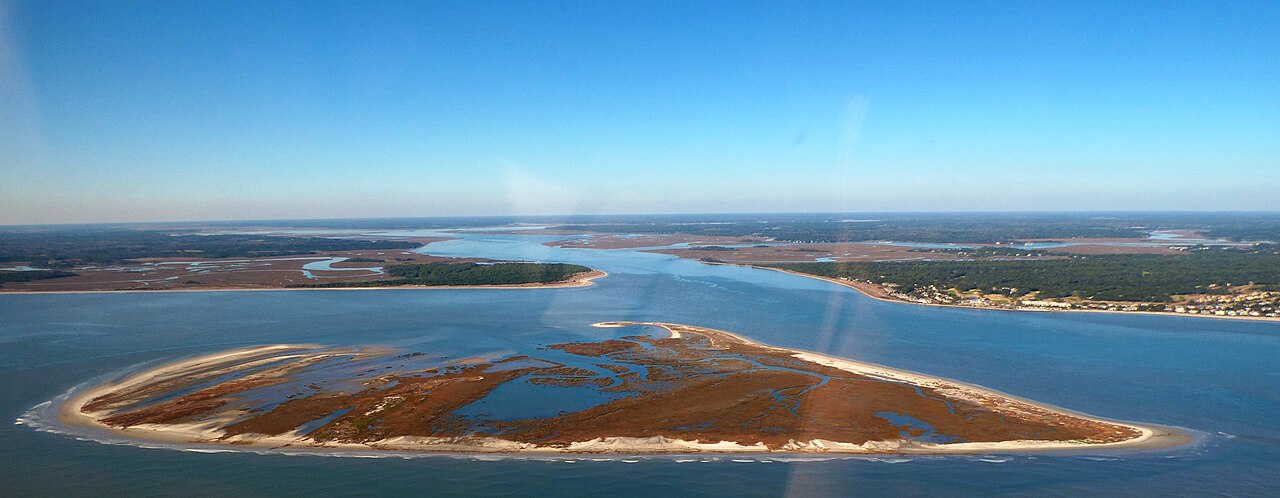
(1218, 378)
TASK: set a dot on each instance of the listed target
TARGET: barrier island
(690, 390)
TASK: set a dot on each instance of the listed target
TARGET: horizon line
(563, 215)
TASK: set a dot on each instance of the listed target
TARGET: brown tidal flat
(266, 273)
(810, 252)
(1112, 249)
(881, 252)
(697, 390)
(273, 272)
(622, 241)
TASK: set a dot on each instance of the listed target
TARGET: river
(1220, 378)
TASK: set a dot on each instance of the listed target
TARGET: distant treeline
(468, 274)
(959, 231)
(972, 228)
(65, 247)
(1121, 277)
(1254, 226)
(984, 251)
(27, 276)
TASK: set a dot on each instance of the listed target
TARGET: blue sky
(128, 111)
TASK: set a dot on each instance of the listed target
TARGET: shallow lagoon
(1217, 376)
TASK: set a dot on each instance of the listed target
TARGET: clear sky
(128, 111)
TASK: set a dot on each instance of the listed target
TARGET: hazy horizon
(569, 218)
(173, 112)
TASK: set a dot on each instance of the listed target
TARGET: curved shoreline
(71, 413)
(888, 299)
(585, 279)
(1151, 436)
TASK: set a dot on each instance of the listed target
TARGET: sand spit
(584, 279)
(1150, 436)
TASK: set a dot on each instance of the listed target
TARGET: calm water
(1215, 376)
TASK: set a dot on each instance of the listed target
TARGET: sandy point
(1150, 436)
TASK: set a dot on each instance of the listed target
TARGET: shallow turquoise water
(1215, 376)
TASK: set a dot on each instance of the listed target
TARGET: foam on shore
(71, 412)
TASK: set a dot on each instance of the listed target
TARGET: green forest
(27, 276)
(468, 274)
(979, 228)
(66, 247)
(1121, 277)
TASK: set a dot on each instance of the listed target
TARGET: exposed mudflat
(695, 390)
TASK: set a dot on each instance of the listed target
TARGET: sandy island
(583, 279)
(696, 391)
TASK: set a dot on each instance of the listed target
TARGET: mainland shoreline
(878, 293)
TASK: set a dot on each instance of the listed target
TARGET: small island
(693, 390)
(472, 274)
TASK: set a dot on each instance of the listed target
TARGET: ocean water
(1219, 378)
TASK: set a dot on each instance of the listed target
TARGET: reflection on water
(327, 265)
(916, 429)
